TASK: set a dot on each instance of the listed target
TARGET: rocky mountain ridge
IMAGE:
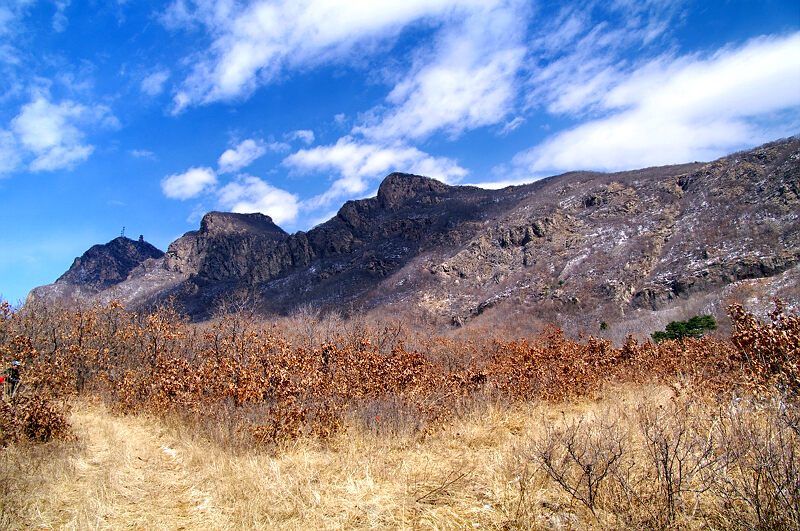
(579, 247)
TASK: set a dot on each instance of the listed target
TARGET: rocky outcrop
(229, 247)
(402, 190)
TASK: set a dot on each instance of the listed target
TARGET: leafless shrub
(521, 474)
(580, 456)
(431, 492)
(679, 457)
(760, 486)
(309, 327)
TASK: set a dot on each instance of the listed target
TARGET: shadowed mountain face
(104, 266)
(579, 247)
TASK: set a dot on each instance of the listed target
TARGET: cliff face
(227, 247)
(580, 245)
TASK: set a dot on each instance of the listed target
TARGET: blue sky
(146, 116)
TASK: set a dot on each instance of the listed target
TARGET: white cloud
(241, 156)
(51, 132)
(304, 135)
(8, 54)
(279, 147)
(468, 81)
(153, 84)
(251, 194)
(189, 184)
(254, 44)
(190, 13)
(689, 108)
(451, 97)
(6, 16)
(10, 13)
(761, 76)
(358, 163)
(496, 185)
(61, 157)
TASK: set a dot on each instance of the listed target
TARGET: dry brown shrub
(768, 352)
(35, 417)
(313, 378)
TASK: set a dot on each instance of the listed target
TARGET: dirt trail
(132, 476)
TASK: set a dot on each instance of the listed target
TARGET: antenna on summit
(122, 234)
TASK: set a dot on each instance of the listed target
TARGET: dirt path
(131, 476)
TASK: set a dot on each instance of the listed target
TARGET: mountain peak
(105, 265)
(398, 189)
(217, 223)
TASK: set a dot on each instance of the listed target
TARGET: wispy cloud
(11, 13)
(53, 132)
(254, 44)
(469, 80)
(153, 85)
(677, 109)
(10, 156)
(579, 54)
(241, 156)
(306, 136)
(512, 125)
(143, 154)
(247, 152)
(60, 20)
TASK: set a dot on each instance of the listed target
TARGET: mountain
(99, 269)
(104, 266)
(577, 249)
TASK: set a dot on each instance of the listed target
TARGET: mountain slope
(584, 246)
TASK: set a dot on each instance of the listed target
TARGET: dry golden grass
(139, 472)
(120, 472)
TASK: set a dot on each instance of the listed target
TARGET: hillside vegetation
(129, 419)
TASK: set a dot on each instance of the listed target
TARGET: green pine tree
(695, 327)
